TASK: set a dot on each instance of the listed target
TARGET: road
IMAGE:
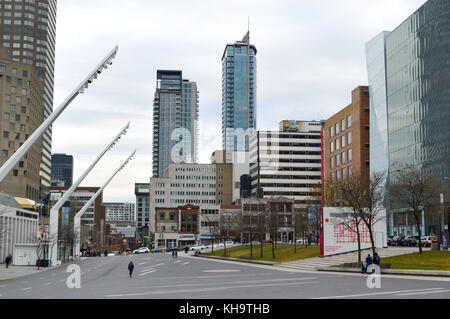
(158, 276)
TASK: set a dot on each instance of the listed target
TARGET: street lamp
(444, 227)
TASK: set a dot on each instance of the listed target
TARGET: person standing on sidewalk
(8, 260)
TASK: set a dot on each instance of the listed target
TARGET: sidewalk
(18, 271)
(433, 273)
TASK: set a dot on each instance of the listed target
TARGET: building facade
(62, 169)
(346, 140)
(21, 113)
(417, 73)
(120, 211)
(18, 227)
(28, 29)
(287, 162)
(142, 192)
(238, 94)
(175, 121)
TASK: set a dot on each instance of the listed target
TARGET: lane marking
(209, 289)
(144, 263)
(224, 270)
(47, 284)
(186, 263)
(146, 273)
(159, 265)
(377, 293)
(424, 292)
(178, 261)
(25, 289)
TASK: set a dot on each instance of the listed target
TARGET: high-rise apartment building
(62, 169)
(175, 121)
(28, 29)
(287, 162)
(21, 113)
(346, 141)
(238, 94)
(417, 73)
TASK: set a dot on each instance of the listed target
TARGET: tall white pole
(55, 209)
(77, 219)
(20, 153)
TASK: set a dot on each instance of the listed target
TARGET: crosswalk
(313, 263)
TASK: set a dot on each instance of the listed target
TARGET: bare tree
(214, 230)
(416, 189)
(273, 225)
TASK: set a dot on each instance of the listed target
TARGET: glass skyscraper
(62, 169)
(238, 94)
(175, 121)
(417, 77)
(376, 71)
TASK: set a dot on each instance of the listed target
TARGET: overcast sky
(311, 55)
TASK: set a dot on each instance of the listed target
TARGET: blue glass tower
(238, 94)
(175, 121)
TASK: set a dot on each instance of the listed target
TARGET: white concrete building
(18, 228)
(287, 162)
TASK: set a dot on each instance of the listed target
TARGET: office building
(238, 94)
(287, 162)
(62, 169)
(175, 121)
(22, 113)
(120, 212)
(346, 141)
(205, 185)
(417, 73)
(28, 29)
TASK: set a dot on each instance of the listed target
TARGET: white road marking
(177, 262)
(186, 263)
(208, 289)
(146, 273)
(28, 288)
(144, 263)
(378, 293)
(224, 270)
(158, 265)
(424, 292)
(47, 284)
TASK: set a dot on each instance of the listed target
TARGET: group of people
(369, 261)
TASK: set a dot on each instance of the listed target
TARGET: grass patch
(283, 252)
(428, 260)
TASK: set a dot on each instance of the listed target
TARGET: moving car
(142, 250)
(157, 250)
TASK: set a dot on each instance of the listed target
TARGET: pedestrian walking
(186, 249)
(173, 254)
(130, 268)
(376, 259)
(8, 260)
(176, 254)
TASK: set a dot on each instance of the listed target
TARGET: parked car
(174, 248)
(229, 243)
(142, 250)
(267, 241)
(113, 253)
(410, 241)
(299, 241)
(157, 250)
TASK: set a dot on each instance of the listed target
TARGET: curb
(408, 272)
(260, 262)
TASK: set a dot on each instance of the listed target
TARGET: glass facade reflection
(175, 121)
(238, 94)
(418, 92)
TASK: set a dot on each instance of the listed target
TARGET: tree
(415, 189)
(213, 226)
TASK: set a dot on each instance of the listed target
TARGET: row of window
(344, 173)
(341, 158)
(341, 142)
(341, 125)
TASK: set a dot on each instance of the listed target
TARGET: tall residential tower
(28, 30)
(238, 94)
(175, 121)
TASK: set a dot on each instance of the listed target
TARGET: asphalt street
(159, 276)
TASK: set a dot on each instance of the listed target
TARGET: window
(332, 162)
(349, 138)
(337, 160)
(343, 157)
(343, 140)
(350, 171)
(342, 124)
(332, 147)
(331, 131)
(343, 173)
(349, 121)
(337, 144)
(337, 128)
(349, 155)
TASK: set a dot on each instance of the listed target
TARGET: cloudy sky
(310, 57)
